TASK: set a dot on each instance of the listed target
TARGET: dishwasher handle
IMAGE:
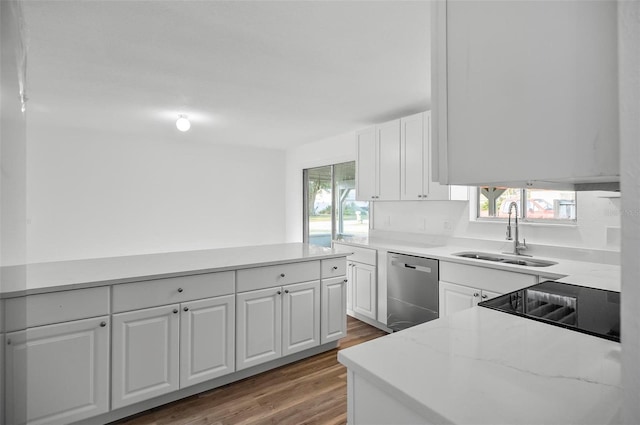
(411, 266)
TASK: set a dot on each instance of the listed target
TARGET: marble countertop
(584, 273)
(63, 275)
(481, 366)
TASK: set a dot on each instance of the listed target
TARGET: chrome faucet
(517, 246)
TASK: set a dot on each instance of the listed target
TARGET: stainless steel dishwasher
(412, 290)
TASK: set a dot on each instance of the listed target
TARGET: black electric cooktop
(588, 310)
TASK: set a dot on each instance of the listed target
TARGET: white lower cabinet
(159, 350)
(57, 374)
(276, 321)
(364, 288)
(333, 317)
(463, 286)
(258, 327)
(207, 345)
(300, 317)
(454, 297)
(145, 354)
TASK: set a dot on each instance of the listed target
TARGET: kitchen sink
(529, 262)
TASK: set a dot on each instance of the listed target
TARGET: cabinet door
(388, 158)
(366, 188)
(146, 346)
(300, 317)
(333, 315)
(207, 339)
(258, 327)
(58, 374)
(413, 156)
(512, 91)
(454, 298)
(364, 290)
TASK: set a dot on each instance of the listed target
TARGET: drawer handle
(180, 289)
(175, 311)
(335, 267)
(103, 324)
(281, 274)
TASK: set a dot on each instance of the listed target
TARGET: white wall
(333, 150)
(598, 225)
(96, 194)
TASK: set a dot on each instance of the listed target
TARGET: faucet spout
(516, 243)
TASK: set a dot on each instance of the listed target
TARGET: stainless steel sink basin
(519, 261)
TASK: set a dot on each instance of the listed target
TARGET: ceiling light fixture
(183, 123)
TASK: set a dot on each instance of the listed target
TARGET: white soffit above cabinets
(265, 73)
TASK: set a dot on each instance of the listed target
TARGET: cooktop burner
(588, 310)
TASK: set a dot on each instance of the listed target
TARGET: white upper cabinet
(393, 163)
(378, 163)
(415, 153)
(366, 169)
(525, 92)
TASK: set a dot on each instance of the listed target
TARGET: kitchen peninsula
(481, 366)
(110, 337)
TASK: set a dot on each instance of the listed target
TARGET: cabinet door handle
(286, 291)
(485, 296)
(8, 341)
(186, 309)
(180, 289)
(419, 196)
(175, 311)
(335, 267)
(279, 292)
(345, 281)
(103, 324)
(476, 295)
(281, 274)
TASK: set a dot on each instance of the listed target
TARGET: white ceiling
(268, 73)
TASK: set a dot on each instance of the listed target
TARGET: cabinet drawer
(333, 267)
(153, 293)
(55, 307)
(499, 281)
(282, 274)
(359, 254)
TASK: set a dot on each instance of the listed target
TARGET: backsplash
(597, 227)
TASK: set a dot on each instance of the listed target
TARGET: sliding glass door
(330, 207)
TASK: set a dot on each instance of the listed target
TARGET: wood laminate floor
(310, 391)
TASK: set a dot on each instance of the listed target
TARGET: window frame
(521, 211)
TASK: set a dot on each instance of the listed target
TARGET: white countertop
(583, 273)
(64, 275)
(481, 366)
